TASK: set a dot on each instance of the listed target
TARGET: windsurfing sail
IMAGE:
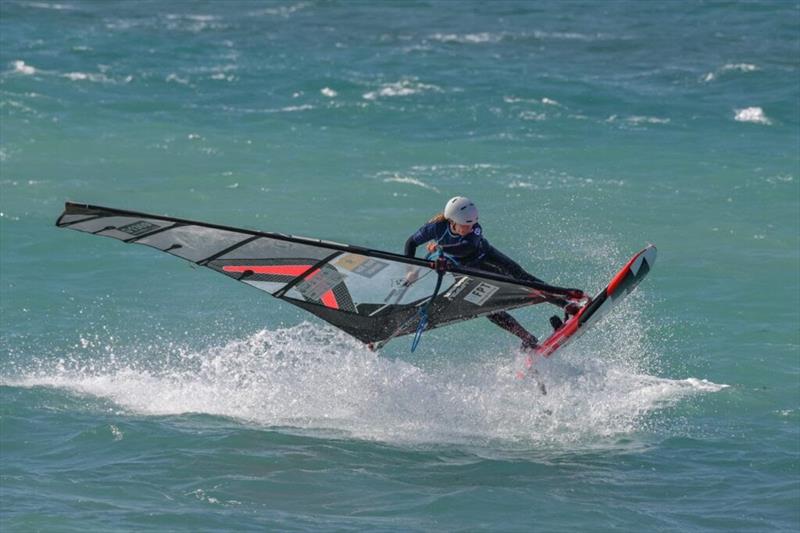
(360, 291)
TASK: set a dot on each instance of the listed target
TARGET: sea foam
(405, 87)
(316, 379)
(752, 114)
(23, 68)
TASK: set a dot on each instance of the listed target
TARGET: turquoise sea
(139, 394)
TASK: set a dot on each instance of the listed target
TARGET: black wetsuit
(473, 250)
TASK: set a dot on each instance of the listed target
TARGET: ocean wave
(537, 101)
(17, 183)
(193, 23)
(456, 166)
(405, 87)
(780, 178)
(291, 109)
(18, 106)
(410, 181)
(267, 111)
(280, 11)
(95, 77)
(174, 78)
(49, 5)
(636, 120)
(492, 38)
(646, 120)
(533, 115)
(466, 38)
(561, 180)
(176, 22)
(193, 18)
(451, 176)
(730, 67)
(21, 67)
(754, 115)
(221, 76)
(568, 36)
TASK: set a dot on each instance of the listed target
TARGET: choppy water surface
(138, 393)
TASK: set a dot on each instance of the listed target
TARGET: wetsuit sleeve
(424, 234)
(411, 247)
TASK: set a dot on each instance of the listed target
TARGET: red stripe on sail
(280, 270)
(329, 300)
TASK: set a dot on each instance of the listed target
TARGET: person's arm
(411, 247)
(422, 235)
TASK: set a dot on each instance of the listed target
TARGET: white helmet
(461, 210)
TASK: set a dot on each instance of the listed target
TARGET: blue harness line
(442, 261)
(423, 322)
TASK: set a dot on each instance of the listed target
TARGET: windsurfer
(456, 235)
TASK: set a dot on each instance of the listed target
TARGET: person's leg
(496, 261)
(510, 324)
